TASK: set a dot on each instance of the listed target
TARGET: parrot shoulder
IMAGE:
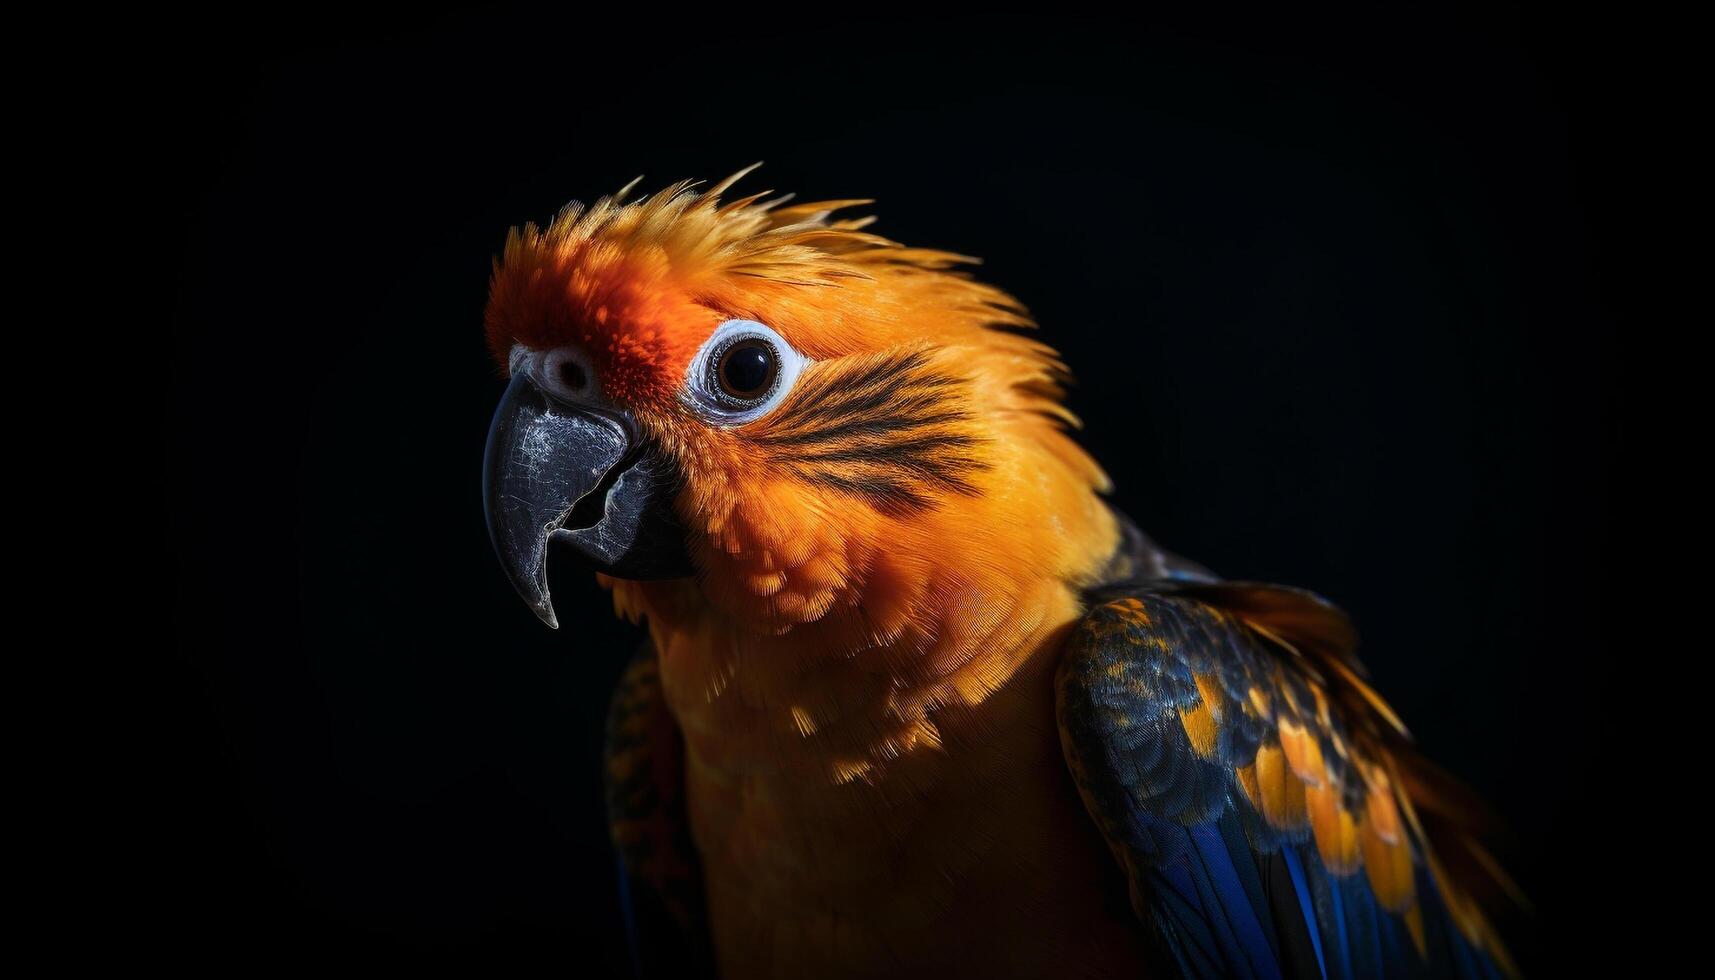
(1261, 799)
(659, 876)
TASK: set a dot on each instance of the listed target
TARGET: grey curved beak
(556, 471)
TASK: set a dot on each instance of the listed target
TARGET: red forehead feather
(622, 308)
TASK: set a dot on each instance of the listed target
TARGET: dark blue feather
(1301, 890)
(1225, 893)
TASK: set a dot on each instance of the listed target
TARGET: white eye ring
(713, 397)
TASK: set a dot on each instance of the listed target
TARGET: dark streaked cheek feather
(885, 429)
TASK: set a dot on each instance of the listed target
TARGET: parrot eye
(747, 368)
(742, 372)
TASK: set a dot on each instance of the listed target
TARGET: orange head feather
(919, 460)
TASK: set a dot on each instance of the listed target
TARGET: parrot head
(798, 421)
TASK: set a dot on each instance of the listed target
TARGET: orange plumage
(835, 668)
(889, 564)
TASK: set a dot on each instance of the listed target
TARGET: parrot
(916, 698)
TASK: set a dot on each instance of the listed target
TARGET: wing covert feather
(1247, 779)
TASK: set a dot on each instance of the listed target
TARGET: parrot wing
(1261, 799)
(660, 879)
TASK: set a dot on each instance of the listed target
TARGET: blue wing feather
(1224, 892)
(1301, 891)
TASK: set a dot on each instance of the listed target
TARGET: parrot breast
(855, 814)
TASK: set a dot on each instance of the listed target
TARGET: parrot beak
(557, 471)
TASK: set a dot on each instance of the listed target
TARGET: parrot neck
(824, 699)
(895, 664)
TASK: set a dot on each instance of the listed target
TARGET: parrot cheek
(557, 471)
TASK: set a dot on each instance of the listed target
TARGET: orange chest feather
(847, 827)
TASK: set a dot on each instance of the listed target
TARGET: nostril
(573, 375)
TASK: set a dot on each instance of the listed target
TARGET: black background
(1336, 291)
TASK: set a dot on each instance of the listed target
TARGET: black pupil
(747, 369)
